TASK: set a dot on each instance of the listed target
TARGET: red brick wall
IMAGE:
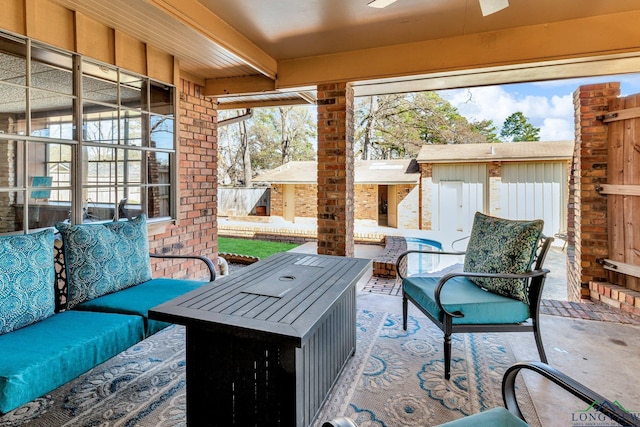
(306, 199)
(408, 206)
(277, 202)
(335, 169)
(587, 225)
(196, 230)
(426, 197)
(366, 201)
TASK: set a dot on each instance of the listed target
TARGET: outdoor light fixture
(492, 6)
(379, 4)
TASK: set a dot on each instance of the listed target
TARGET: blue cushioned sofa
(58, 322)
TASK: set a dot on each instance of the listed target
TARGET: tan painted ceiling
(287, 29)
(293, 45)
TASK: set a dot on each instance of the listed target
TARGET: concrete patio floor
(602, 354)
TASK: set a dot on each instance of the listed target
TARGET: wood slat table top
(284, 295)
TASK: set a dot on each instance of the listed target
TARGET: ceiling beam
(246, 85)
(516, 46)
(194, 14)
(552, 70)
(240, 105)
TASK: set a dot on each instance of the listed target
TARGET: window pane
(11, 152)
(51, 115)
(109, 168)
(129, 167)
(132, 127)
(47, 214)
(51, 70)
(161, 99)
(11, 211)
(12, 109)
(94, 210)
(99, 123)
(162, 132)
(130, 206)
(102, 90)
(37, 170)
(100, 170)
(133, 92)
(13, 65)
(49, 165)
(159, 202)
(159, 168)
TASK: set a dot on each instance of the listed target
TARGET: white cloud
(553, 115)
(557, 130)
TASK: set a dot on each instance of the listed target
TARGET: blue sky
(547, 105)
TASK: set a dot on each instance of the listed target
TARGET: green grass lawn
(255, 248)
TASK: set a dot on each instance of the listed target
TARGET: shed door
(289, 200)
(536, 191)
(460, 191)
(451, 209)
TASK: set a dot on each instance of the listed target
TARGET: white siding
(536, 191)
(473, 179)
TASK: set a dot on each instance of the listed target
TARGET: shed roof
(391, 172)
(508, 151)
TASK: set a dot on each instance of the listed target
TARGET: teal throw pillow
(104, 258)
(26, 279)
(499, 245)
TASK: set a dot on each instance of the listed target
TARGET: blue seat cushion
(45, 355)
(496, 417)
(140, 298)
(461, 294)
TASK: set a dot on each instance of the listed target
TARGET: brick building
(385, 192)
(519, 180)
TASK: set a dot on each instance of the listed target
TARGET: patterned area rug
(397, 376)
(395, 379)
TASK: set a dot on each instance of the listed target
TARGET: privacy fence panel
(623, 191)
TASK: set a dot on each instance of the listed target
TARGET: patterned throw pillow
(26, 279)
(499, 245)
(104, 258)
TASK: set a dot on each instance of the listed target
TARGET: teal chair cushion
(496, 417)
(45, 355)
(461, 294)
(499, 245)
(139, 299)
(104, 258)
(26, 280)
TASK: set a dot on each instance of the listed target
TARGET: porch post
(335, 169)
(587, 222)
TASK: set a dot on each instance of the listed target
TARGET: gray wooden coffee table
(266, 344)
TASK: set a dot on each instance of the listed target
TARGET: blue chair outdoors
(498, 291)
(511, 415)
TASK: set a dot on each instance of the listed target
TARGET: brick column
(495, 188)
(426, 196)
(335, 169)
(196, 231)
(587, 222)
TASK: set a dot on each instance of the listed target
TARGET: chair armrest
(444, 279)
(207, 261)
(339, 422)
(590, 397)
(400, 267)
